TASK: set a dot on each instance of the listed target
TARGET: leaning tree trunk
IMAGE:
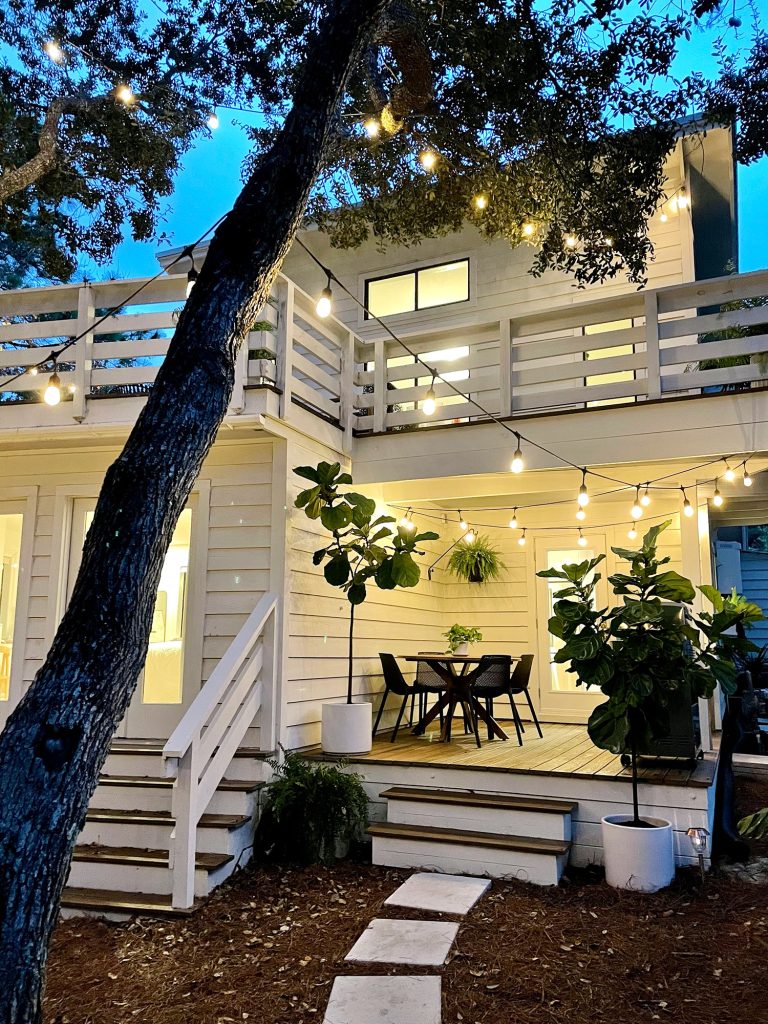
(56, 741)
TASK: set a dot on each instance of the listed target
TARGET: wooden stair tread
(229, 821)
(155, 748)
(431, 833)
(130, 855)
(157, 782)
(468, 799)
(122, 902)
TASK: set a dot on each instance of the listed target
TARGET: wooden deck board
(564, 750)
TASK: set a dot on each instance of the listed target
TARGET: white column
(690, 547)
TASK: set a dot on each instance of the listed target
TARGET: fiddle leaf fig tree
(648, 649)
(363, 550)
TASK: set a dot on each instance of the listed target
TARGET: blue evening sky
(210, 177)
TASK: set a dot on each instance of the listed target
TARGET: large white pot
(642, 859)
(346, 728)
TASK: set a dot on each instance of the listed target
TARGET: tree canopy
(545, 124)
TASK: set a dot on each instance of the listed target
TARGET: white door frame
(20, 500)
(64, 509)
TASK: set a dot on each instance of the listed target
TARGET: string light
(430, 402)
(528, 229)
(52, 394)
(632, 532)
(521, 539)
(407, 523)
(637, 510)
(518, 463)
(469, 536)
(125, 94)
(570, 241)
(513, 521)
(747, 477)
(192, 276)
(645, 500)
(32, 371)
(463, 525)
(717, 498)
(583, 498)
(582, 541)
(687, 506)
(213, 121)
(54, 51)
(664, 218)
(325, 302)
(581, 515)
(481, 202)
(729, 474)
(428, 159)
(682, 199)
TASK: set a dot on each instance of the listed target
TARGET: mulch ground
(267, 947)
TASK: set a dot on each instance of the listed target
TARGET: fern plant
(476, 560)
(311, 808)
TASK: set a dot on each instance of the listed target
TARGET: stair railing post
(184, 840)
(83, 352)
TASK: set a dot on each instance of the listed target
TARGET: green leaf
(337, 570)
(318, 556)
(305, 497)
(366, 505)
(671, 586)
(642, 611)
(356, 593)
(308, 472)
(754, 826)
(429, 535)
(344, 478)
(608, 726)
(714, 597)
(584, 646)
(384, 576)
(405, 572)
(335, 517)
(327, 472)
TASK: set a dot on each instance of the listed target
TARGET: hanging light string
(55, 354)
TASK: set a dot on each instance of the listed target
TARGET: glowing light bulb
(570, 241)
(406, 523)
(372, 127)
(481, 202)
(521, 539)
(636, 511)
(518, 463)
(513, 521)
(687, 508)
(213, 121)
(528, 229)
(581, 515)
(729, 474)
(682, 200)
(717, 498)
(125, 94)
(52, 395)
(463, 525)
(583, 498)
(632, 533)
(747, 477)
(192, 277)
(609, 242)
(645, 500)
(664, 218)
(469, 536)
(430, 403)
(428, 159)
(325, 302)
(582, 541)
(54, 51)
(32, 371)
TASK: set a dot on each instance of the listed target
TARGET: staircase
(474, 833)
(121, 862)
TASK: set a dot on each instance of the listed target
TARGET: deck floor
(563, 750)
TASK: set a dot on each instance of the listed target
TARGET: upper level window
(417, 289)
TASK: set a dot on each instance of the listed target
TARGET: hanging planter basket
(476, 561)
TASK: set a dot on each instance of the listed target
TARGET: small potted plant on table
(460, 637)
(363, 550)
(643, 653)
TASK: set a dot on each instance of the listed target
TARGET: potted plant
(476, 560)
(642, 653)
(362, 550)
(460, 637)
(263, 355)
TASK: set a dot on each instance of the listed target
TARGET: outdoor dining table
(458, 690)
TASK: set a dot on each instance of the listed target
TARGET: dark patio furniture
(394, 682)
(427, 681)
(494, 681)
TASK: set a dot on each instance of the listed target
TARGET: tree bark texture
(57, 739)
(18, 178)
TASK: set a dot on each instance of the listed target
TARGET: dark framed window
(439, 285)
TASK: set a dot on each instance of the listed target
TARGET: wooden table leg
(421, 726)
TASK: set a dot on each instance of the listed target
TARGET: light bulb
(518, 463)
(687, 508)
(52, 394)
(481, 202)
(192, 276)
(32, 371)
(570, 241)
(521, 539)
(747, 477)
(729, 474)
(717, 498)
(664, 218)
(429, 405)
(407, 523)
(682, 200)
(54, 51)
(513, 521)
(528, 229)
(636, 511)
(609, 242)
(645, 500)
(372, 127)
(124, 93)
(213, 121)
(632, 533)
(325, 302)
(583, 498)
(462, 522)
(582, 541)
(428, 159)
(469, 536)
(581, 515)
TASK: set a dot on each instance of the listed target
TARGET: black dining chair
(427, 681)
(518, 684)
(394, 682)
(493, 680)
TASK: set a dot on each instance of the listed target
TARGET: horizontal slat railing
(204, 742)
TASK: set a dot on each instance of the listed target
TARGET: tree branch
(18, 178)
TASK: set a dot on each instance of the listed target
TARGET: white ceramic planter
(642, 859)
(346, 728)
(462, 648)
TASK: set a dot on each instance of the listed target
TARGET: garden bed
(267, 947)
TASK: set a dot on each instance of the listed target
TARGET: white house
(249, 641)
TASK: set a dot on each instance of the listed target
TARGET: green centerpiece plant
(461, 636)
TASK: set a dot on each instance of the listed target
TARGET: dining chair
(518, 684)
(494, 679)
(427, 681)
(394, 682)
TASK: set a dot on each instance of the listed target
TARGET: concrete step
(537, 818)
(130, 869)
(154, 793)
(540, 861)
(228, 834)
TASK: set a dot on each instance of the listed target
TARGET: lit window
(10, 551)
(417, 289)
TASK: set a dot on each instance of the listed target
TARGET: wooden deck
(564, 750)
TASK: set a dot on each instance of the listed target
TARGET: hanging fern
(476, 561)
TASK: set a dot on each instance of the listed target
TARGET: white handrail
(204, 742)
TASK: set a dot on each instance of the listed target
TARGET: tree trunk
(351, 647)
(56, 741)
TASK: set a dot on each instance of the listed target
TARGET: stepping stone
(361, 1000)
(444, 894)
(425, 943)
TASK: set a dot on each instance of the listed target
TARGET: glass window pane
(392, 295)
(10, 549)
(165, 657)
(440, 285)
